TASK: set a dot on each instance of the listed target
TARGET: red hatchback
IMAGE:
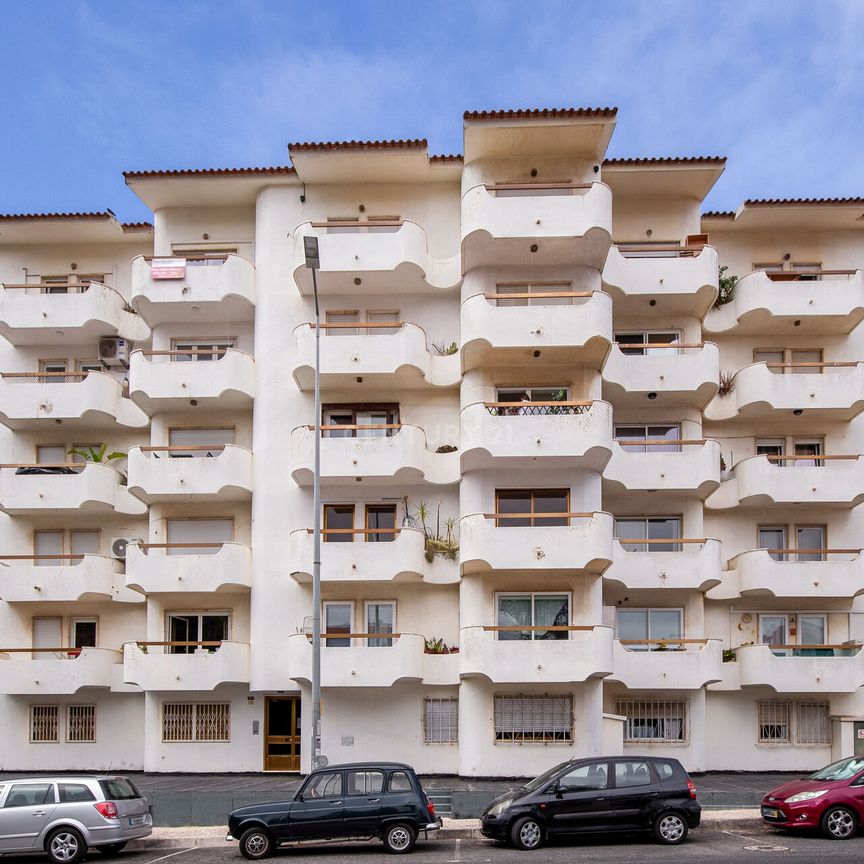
(831, 799)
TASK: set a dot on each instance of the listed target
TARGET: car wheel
(526, 833)
(65, 846)
(670, 828)
(111, 848)
(399, 838)
(256, 843)
(839, 823)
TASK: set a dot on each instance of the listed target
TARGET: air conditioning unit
(119, 544)
(114, 351)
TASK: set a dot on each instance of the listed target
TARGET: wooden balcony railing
(670, 541)
(356, 427)
(76, 558)
(215, 545)
(356, 636)
(538, 295)
(356, 531)
(809, 552)
(219, 352)
(368, 223)
(70, 653)
(536, 518)
(814, 365)
(196, 256)
(633, 347)
(658, 442)
(180, 448)
(360, 325)
(821, 457)
(671, 644)
(44, 287)
(563, 187)
(172, 644)
(551, 628)
(668, 250)
(78, 466)
(805, 275)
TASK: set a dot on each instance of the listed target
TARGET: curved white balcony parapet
(214, 289)
(401, 560)
(572, 223)
(401, 359)
(152, 569)
(695, 467)
(761, 305)
(680, 285)
(57, 673)
(29, 317)
(695, 567)
(94, 488)
(202, 670)
(91, 400)
(691, 667)
(580, 332)
(760, 667)
(441, 670)
(585, 544)
(87, 578)
(158, 382)
(835, 394)
(687, 375)
(756, 573)
(358, 664)
(402, 457)
(397, 254)
(569, 435)
(758, 481)
(224, 474)
(585, 654)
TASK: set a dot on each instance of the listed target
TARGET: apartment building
(580, 493)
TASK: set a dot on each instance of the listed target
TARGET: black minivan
(634, 793)
(357, 801)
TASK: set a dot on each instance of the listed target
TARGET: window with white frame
(644, 343)
(532, 610)
(81, 724)
(533, 718)
(440, 721)
(196, 721)
(648, 533)
(634, 437)
(44, 724)
(661, 720)
(187, 629)
(649, 629)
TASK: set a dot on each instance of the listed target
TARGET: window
(49, 544)
(196, 627)
(773, 537)
(203, 442)
(338, 618)
(632, 438)
(383, 316)
(792, 361)
(89, 366)
(338, 523)
(519, 396)
(203, 536)
(811, 449)
(628, 774)
(810, 630)
(53, 372)
(440, 721)
(532, 610)
(47, 632)
(380, 618)
(533, 718)
(643, 249)
(383, 518)
(195, 722)
(585, 778)
(811, 541)
(380, 417)
(81, 724)
(200, 349)
(648, 533)
(771, 447)
(55, 284)
(807, 272)
(44, 720)
(83, 632)
(648, 720)
(339, 322)
(51, 454)
(774, 722)
(399, 782)
(327, 785)
(30, 794)
(365, 782)
(540, 288)
(527, 505)
(653, 627)
(631, 343)
(664, 770)
(813, 723)
(119, 789)
(74, 793)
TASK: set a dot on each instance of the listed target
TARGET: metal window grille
(533, 718)
(440, 721)
(190, 721)
(813, 723)
(774, 723)
(44, 723)
(655, 719)
(81, 724)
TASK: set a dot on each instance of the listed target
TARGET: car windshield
(543, 779)
(119, 789)
(842, 770)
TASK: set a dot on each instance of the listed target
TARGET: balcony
(682, 466)
(682, 280)
(775, 391)
(46, 489)
(570, 223)
(820, 669)
(166, 568)
(30, 317)
(209, 288)
(760, 481)
(567, 434)
(391, 254)
(222, 472)
(59, 671)
(583, 654)
(358, 664)
(147, 665)
(836, 573)
(826, 303)
(66, 579)
(584, 543)
(695, 567)
(399, 455)
(671, 374)
(688, 664)
(401, 560)
(401, 359)
(579, 332)
(159, 381)
(78, 400)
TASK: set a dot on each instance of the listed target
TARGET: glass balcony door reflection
(656, 629)
(653, 528)
(533, 610)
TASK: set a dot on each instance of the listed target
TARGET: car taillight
(108, 809)
(431, 808)
(692, 787)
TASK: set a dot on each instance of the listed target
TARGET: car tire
(526, 833)
(111, 848)
(256, 843)
(399, 838)
(839, 823)
(65, 846)
(670, 828)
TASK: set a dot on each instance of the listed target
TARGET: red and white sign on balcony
(168, 268)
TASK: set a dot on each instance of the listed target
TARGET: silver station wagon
(64, 816)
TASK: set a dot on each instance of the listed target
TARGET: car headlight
(500, 807)
(806, 796)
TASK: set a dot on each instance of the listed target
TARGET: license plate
(136, 820)
(772, 813)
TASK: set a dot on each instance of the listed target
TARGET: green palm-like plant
(93, 454)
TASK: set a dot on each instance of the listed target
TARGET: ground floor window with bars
(663, 720)
(440, 721)
(794, 723)
(533, 718)
(196, 721)
(46, 720)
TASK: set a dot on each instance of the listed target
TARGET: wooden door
(282, 733)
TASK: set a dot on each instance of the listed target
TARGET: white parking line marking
(180, 852)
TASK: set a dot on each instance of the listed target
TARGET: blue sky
(90, 88)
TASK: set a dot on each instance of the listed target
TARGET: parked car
(66, 816)
(357, 801)
(831, 799)
(636, 793)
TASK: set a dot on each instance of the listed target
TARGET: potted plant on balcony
(438, 544)
(436, 645)
(98, 454)
(726, 285)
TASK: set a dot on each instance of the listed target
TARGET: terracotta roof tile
(136, 226)
(33, 217)
(793, 202)
(719, 214)
(447, 157)
(395, 144)
(533, 113)
(208, 172)
(666, 160)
